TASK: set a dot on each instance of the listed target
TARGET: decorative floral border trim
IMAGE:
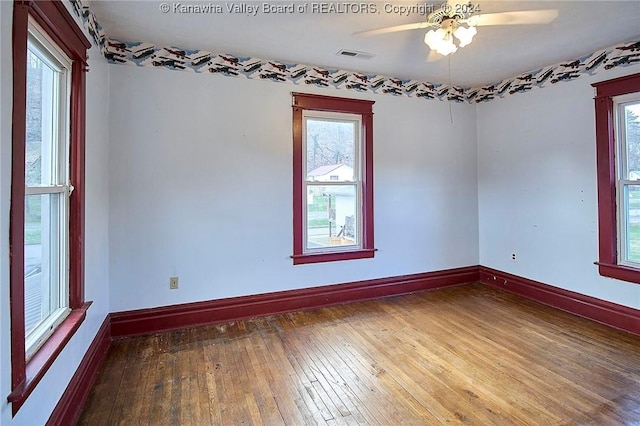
(202, 61)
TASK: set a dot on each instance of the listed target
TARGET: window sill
(46, 355)
(620, 272)
(301, 259)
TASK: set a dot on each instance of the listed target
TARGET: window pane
(43, 267)
(42, 117)
(631, 223)
(631, 131)
(331, 216)
(330, 149)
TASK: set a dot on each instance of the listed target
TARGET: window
(627, 135)
(333, 179)
(47, 194)
(617, 109)
(47, 189)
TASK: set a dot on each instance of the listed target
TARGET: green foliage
(32, 236)
(33, 210)
(318, 223)
(633, 140)
(320, 206)
(634, 242)
(321, 203)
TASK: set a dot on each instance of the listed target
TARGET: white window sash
(358, 243)
(58, 288)
(622, 172)
(357, 182)
(52, 189)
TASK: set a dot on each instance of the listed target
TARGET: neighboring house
(331, 172)
(342, 212)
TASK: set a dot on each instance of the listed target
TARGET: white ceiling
(582, 27)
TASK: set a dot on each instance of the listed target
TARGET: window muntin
(46, 222)
(627, 136)
(332, 181)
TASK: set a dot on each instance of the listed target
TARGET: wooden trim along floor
(145, 321)
(70, 405)
(611, 314)
(178, 317)
(469, 354)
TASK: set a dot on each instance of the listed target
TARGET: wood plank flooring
(462, 355)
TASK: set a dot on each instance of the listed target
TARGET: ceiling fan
(453, 25)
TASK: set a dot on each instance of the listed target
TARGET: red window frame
(608, 265)
(364, 108)
(55, 20)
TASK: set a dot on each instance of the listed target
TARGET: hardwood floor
(462, 355)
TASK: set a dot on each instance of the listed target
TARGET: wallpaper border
(144, 54)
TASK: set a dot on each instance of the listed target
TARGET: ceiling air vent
(355, 54)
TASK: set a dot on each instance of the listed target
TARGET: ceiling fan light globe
(465, 35)
(432, 40)
(446, 48)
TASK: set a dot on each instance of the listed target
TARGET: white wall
(44, 398)
(201, 187)
(190, 175)
(537, 188)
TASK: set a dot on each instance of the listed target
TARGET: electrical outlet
(173, 283)
(513, 257)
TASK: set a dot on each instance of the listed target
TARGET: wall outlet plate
(173, 283)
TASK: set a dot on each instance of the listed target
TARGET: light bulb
(446, 47)
(465, 35)
(441, 40)
(431, 39)
(436, 39)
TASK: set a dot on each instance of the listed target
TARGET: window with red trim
(47, 189)
(617, 114)
(332, 179)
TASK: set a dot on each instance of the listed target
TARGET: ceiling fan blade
(523, 17)
(394, 29)
(433, 56)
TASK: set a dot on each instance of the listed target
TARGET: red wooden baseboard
(608, 313)
(144, 321)
(71, 403)
(192, 314)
